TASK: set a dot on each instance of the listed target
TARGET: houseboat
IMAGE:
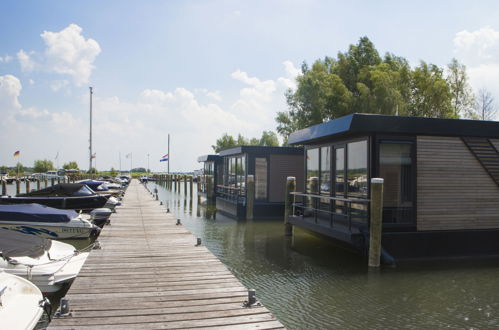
(269, 166)
(209, 178)
(441, 184)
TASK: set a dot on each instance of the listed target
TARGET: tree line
(360, 80)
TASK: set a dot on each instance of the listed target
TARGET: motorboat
(46, 263)
(100, 216)
(102, 187)
(21, 303)
(47, 222)
(72, 196)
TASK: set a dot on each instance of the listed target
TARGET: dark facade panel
(369, 123)
(209, 158)
(282, 166)
(261, 150)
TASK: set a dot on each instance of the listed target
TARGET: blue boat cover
(93, 184)
(35, 213)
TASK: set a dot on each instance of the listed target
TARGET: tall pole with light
(148, 170)
(90, 140)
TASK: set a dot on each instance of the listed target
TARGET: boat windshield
(84, 191)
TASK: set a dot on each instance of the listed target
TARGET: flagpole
(90, 147)
(168, 153)
(120, 160)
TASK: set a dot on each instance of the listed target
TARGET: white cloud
(59, 84)
(291, 73)
(477, 46)
(27, 64)
(5, 59)
(69, 53)
(479, 51)
(214, 95)
(10, 89)
(31, 81)
(141, 125)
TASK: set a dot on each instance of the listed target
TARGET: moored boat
(21, 303)
(71, 196)
(47, 222)
(46, 263)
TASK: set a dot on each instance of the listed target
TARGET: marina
(149, 273)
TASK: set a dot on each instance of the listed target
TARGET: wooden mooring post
(27, 185)
(288, 204)
(375, 227)
(191, 185)
(4, 188)
(250, 196)
(18, 186)
(38, 184)
(185, 185)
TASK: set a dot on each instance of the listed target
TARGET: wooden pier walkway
(150, 275)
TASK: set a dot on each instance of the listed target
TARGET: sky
(197, 69)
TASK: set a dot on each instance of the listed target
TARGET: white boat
(21, 303)
(47, 222)
(47, 264)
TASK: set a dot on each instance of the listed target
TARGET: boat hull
(21, 306)
(84, 203)
(53, 231)
(51, 271)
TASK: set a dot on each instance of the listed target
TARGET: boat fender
(47, 307)
(386, 258)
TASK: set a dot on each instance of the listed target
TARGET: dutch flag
(164, 158)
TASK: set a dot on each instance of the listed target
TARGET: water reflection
(309, 282)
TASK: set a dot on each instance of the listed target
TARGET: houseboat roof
(360, 123)
(208, 158)
(262, 150)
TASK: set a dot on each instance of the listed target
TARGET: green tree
(4, 169)
(431, 95)
(113, 172)
(359, 80)
(71, 166)
(19, 168)
(41, 166)
(463, 99)
(269, 139)
(484, 106)
(226, 141)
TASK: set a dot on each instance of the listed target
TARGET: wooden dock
(150, 275)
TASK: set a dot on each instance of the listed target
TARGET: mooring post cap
(377, 180)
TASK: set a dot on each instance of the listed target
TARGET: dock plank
(150, 275)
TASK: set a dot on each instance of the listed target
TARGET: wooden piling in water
(191, 185)
(52, 181)
(27, 185)
(18, 186)
(375, 226)
(38, 184)
(250, 196)
(185, 185)
(288, 205)
(4, 187)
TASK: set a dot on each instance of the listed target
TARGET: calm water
(308, 282)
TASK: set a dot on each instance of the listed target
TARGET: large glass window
(241, 172)
(339, 177)
(260, 178)
(325, 178)
(312, 167)
(357, 169)
(395, 166)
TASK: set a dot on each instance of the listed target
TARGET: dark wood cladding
(282, 166)
(454, 190)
